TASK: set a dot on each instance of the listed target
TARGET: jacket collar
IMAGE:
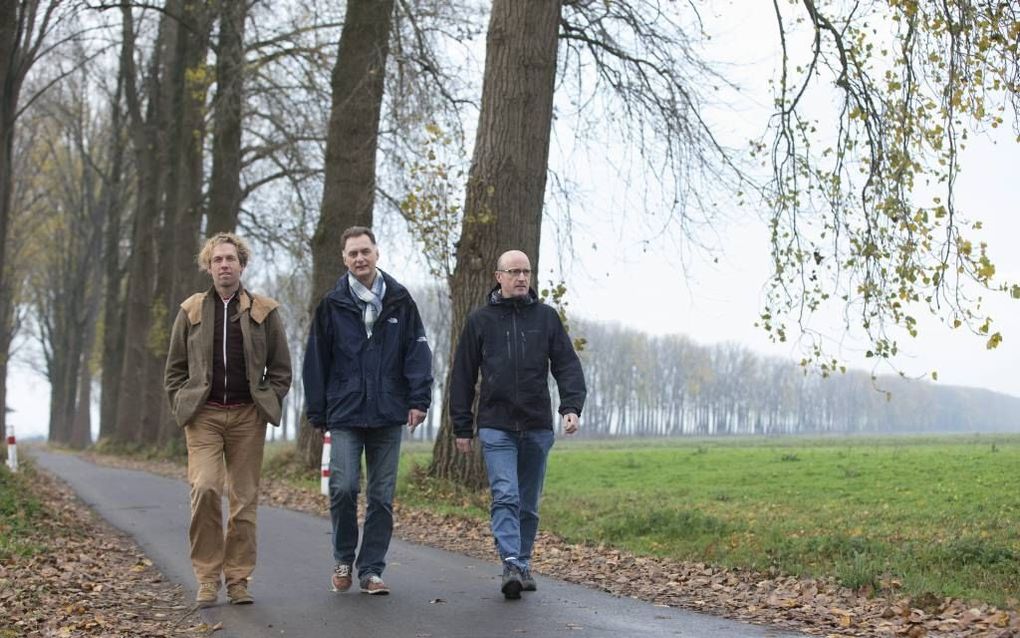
(341, 292)
(257, 306)
(496, 298)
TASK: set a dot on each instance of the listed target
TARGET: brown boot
(207, 594)
(237, 593)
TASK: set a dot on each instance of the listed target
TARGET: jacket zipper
(226, 302)
(517, 378)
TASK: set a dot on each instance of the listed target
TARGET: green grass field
(937, 515)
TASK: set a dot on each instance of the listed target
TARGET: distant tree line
(670, 385)
(642, 385)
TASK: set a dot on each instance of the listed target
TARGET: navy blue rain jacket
(353, 381)
(515, 343)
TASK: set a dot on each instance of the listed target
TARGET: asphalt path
(435, 594)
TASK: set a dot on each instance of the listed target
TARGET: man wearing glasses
(514, 339)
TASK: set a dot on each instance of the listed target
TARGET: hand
(464, 446)
(570, 422)
(415, 418)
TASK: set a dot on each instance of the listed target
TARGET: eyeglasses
(516, 272)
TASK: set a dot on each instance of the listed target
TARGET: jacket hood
(496, 298)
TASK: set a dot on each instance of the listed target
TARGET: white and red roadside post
(12, 448)
(327, 443)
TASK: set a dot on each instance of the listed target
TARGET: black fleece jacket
(515, 343)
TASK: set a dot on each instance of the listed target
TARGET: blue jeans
(381, 446)
(515, 462)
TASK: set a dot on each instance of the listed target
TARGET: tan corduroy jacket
(188, 374)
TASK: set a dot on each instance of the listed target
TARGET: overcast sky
(612, 275)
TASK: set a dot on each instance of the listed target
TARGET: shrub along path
(817, 606)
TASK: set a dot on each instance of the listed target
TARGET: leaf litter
(87, 579)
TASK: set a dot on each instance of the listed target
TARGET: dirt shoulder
(816, 606)
(71, 574)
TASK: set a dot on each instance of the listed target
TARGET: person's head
(513, 274)
(224, 256)
(360, 253)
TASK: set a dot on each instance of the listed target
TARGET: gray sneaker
(512, 584)
(374, 585)
(527, 580)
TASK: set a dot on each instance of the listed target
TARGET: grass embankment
(930, 515)
(20, 513)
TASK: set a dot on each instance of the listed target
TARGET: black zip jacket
(515, 343)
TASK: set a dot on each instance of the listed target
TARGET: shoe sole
(512, 590)
(243, 601)
(202, 604)
(376, 592)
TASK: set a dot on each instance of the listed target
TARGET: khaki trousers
(225, 447)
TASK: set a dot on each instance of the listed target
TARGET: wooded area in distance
(130, 131)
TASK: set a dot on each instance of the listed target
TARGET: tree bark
(348, 195)
(113, 311)
(189, 80)
(133, 420)
(23, 29)
(225, 183)
(81, 419)
(506, 183)
(11, 77)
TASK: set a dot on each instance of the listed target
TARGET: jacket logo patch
(392, 320)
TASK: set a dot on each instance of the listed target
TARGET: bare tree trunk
(113, 311)
(23, 28)
(225, 183)
(10, 88)
(183, 213)
(348, 195)
(58, 369)
(81, 420)
(133, 421)
(506, 183)
(6, 330)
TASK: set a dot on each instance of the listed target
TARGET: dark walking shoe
(237, 593)
(372, 584)
(341, 578)
(527, 580)
(512, 584)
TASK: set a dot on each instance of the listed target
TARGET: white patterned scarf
(370, 300)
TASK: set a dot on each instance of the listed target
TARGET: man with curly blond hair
(227, 371)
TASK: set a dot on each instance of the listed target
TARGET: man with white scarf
(367, 372)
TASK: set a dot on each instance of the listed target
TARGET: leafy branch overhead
(863, 210)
